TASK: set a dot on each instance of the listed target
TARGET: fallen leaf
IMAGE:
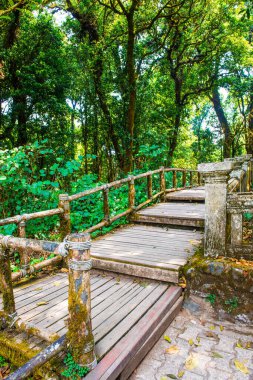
(212, 327)
(38, 289)
(172, 350)
(42, 303)
(191, 362)
(163, 378)
(57, 283)
(217, 355)
(191, 342)
(171, 376)
(198, 339)
(64, 270)
(221, 328)
(180, 374)
(210, 334)
(241, 367)
(239, 344)
(167, 338)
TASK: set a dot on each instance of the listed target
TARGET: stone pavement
(197, 347)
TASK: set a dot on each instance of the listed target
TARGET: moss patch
(229, 280)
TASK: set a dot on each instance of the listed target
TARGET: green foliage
(3, 361)
(211, 298)
(73, 371)
(232, 304)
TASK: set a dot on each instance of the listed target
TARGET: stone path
(200, 347)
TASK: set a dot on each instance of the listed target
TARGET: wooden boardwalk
(145, 251)
(132, 293)
(120, 305)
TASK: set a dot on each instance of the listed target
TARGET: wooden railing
(64, 206)
(228, 197)
(80, 341)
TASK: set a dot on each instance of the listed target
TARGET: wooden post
(162, 183)
(65, 224)
(184, 178)
(149, 185)
(106, 203)
(191, 178)
(174, 179)
(215, 177)
(6, 283)
(236, 228)
(131, 193)
(79, 336)
(199, 179)
(24, 258)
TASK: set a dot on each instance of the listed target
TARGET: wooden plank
(136, 256)
(116, 360)
(163, 274)
(155, 335)
(183, 221)
(135, 261)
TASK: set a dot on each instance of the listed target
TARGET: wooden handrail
(65, 200)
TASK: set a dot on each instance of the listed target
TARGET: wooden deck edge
(184, 221)
(152, 339)
(185, 198)
(123, 353)
(167, 275)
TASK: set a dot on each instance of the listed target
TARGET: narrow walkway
(146, 251)
(200, 348)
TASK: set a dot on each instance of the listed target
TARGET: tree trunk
(223, 122)
(249, 146)
(130, 69)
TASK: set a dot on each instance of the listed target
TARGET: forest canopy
(127, 84)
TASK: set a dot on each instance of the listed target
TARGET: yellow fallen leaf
(191, 362)
(38, 289)
(239, 344)
(212, 327)
(221, 328)
(241, 367)
(180, 374)
(57, 283)
(172, 350)
(42, 303)
(217, 355)
(167, 338)
(191, 342)
(198, 339)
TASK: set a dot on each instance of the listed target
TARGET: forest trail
(129, 314)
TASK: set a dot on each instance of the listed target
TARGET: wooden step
(196, 194)
(125, 356)
(145, 251)
(173, 213)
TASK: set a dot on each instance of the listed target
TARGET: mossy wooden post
(6, 282)
(162, 183)
(149, 186)
(65, 224)
(215, 177)
(184, 178)
(199, 179)
(191, 178)
(131, 193)
(106, 203)
(174, 179)
(24, 259)
(80, 339)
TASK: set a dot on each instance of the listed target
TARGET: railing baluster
(174, 179)
(184, 178)
(131, 193)
(24, 258)
(6, 282)
(162, 183)
(106, 203)
(65, 223)
(191, 178)
(236, 228)
(149, 186)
